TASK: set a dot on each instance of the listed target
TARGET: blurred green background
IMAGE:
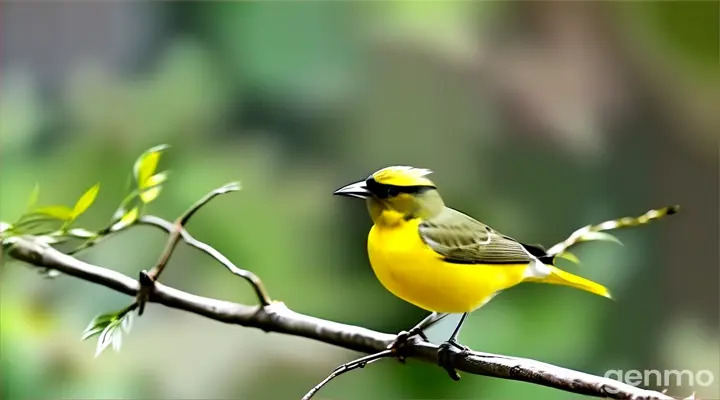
(538, 118)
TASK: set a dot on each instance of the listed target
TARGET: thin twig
(359, 363)
(178, 226)
(251, 278)
(618, 223)
(148, 278)
(101, 235)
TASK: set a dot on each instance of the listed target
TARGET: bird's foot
(446, 357)
(401, 341)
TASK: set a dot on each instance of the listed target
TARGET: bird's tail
(560, 277)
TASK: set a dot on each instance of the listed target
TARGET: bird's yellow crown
(399, 175)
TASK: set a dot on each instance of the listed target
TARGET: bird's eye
(392, 192)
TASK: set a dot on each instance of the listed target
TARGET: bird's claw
(446, 357)
(401, 341)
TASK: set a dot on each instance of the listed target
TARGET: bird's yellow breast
(411, 270)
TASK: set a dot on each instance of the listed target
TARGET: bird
(440, 259)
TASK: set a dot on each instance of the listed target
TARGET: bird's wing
(461, 239)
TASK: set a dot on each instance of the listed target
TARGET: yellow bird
(440, 259)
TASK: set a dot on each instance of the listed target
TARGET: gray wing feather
(460, 238)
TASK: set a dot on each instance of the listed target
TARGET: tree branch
(276, 317)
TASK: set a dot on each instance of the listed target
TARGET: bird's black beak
(357, 189)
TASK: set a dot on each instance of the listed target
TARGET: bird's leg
(446, 351)
(403, 337)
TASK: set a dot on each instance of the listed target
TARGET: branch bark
(276, 317)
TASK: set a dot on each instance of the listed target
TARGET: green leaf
(99, 322)
(124, 217)
(146, 164)
(157, 179)
(147, 169)
(35, 225)
(601, 236)
(105, 338)
(88, 333)
(117, 339)
(127, 322)
(34, 217)
(122, 210)
(63, 213)
(569, 256)
(129, 218)
(151, 189)
(85, 201)
(146, 196)
(81, 233)
(48, 239)
(110, 328)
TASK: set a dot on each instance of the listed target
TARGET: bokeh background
(538, 118)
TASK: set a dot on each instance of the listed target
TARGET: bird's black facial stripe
(383, 191)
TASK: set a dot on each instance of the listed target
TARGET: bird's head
(397, 192)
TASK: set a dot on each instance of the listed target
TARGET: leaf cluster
(54, 224)
(110, 328)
